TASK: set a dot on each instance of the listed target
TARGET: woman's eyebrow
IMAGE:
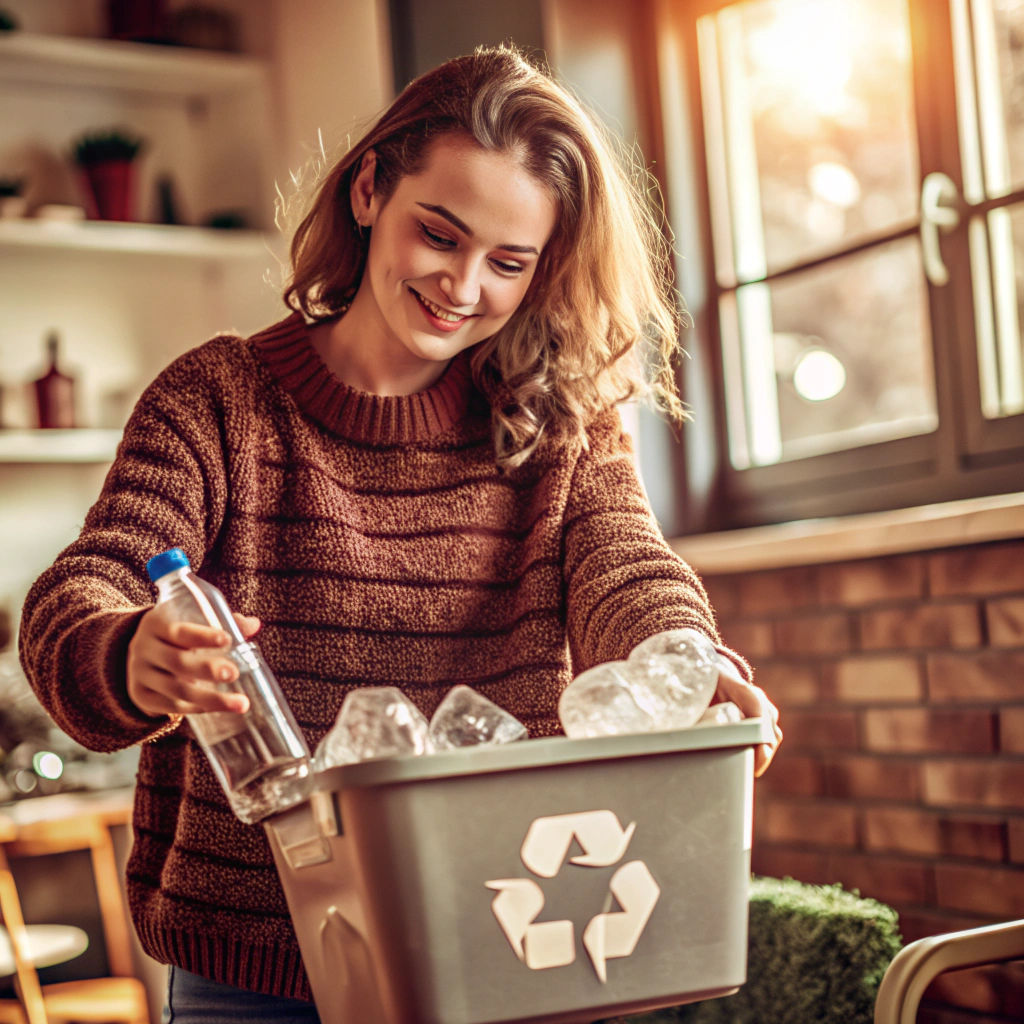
(443, 211)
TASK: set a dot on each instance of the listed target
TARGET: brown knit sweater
(380, 545)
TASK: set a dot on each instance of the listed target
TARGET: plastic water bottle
(260, 757)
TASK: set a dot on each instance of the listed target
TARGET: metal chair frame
(917, 965)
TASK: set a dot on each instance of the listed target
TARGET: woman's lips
(448, 326)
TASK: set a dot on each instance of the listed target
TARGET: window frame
(967, 456)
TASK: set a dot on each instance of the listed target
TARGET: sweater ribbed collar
(288, 353)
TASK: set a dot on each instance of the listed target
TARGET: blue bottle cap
(165, 562)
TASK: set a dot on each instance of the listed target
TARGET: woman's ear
(362, 190)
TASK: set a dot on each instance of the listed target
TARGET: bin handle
(346, 951)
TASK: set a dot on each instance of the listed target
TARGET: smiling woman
(491, 195)
(433, 284)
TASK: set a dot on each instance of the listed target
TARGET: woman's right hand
(173, 667)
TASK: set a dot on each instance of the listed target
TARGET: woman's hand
(753, 703)
(173, 667)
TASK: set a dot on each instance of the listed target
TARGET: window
(858, 173)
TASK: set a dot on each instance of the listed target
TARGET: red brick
(926, 625)
(1011, 730)
(872, 680)
(977, 838)
(854, 584)
(986, 783)
(778, 862)
(921, 730)
(916, 923)
(723, 593)
(812, 823)
(1015, 829)
(820, 730)
(793, 776)
(813, 634)
(788, 684)
(982, 890)
(907, 830)
(779, 590)
(888, 879)
(1005, 622)
(873, 778)
(996, 989)
(975, 678)
(752, 639)
(979, 569)
(940, 1013)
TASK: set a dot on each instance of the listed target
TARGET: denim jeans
(195, 1000)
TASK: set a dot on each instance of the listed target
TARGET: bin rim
(541, 753)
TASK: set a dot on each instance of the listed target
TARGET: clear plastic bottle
(260, 757)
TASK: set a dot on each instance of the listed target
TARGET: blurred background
(844, 183)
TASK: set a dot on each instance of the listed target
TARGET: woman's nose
(461, 284)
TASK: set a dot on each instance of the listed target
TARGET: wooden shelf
(132, 67)
(157, 239)
(38, 446)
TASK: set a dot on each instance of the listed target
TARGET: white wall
(332, 66)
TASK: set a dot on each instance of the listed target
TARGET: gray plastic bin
(476, 886)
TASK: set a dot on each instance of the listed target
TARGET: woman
(418, 478)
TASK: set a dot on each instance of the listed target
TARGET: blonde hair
(599, 323)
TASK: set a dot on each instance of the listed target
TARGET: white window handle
(938, 213)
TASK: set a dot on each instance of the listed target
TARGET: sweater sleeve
(167, 488)
(624, 583)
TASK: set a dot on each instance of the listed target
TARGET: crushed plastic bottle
(667, 683)
(602, 702)
(375, 721)
(380, 721)
(259, 756)
(466, 718)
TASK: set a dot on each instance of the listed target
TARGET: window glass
(997, 27)
(829, 358)
(997, 267)
(810, 127)
(988, 45)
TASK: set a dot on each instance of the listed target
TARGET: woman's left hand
(753, 703)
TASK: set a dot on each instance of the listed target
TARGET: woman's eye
(508, 268)
(443, 242)
(439, 240)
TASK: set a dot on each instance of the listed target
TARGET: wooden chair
(120, 999)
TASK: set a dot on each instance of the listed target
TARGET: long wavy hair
(600, 321)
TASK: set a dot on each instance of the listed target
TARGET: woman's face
(454, 249)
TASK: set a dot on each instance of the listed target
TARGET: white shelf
(157, 239)
(134, 67)
(58, 445)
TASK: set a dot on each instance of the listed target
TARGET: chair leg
(27, 981)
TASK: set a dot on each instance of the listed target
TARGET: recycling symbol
(519, 901)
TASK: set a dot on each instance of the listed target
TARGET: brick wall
(901, 686)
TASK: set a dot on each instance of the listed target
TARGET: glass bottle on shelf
(55, 392)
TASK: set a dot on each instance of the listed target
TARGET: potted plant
(107, 162)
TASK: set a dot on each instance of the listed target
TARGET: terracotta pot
(144, 21)
(112, 186)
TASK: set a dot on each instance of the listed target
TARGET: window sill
(842, 538)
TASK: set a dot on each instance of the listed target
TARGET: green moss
(816, 954)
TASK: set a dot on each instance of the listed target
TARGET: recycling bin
(549, 880)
